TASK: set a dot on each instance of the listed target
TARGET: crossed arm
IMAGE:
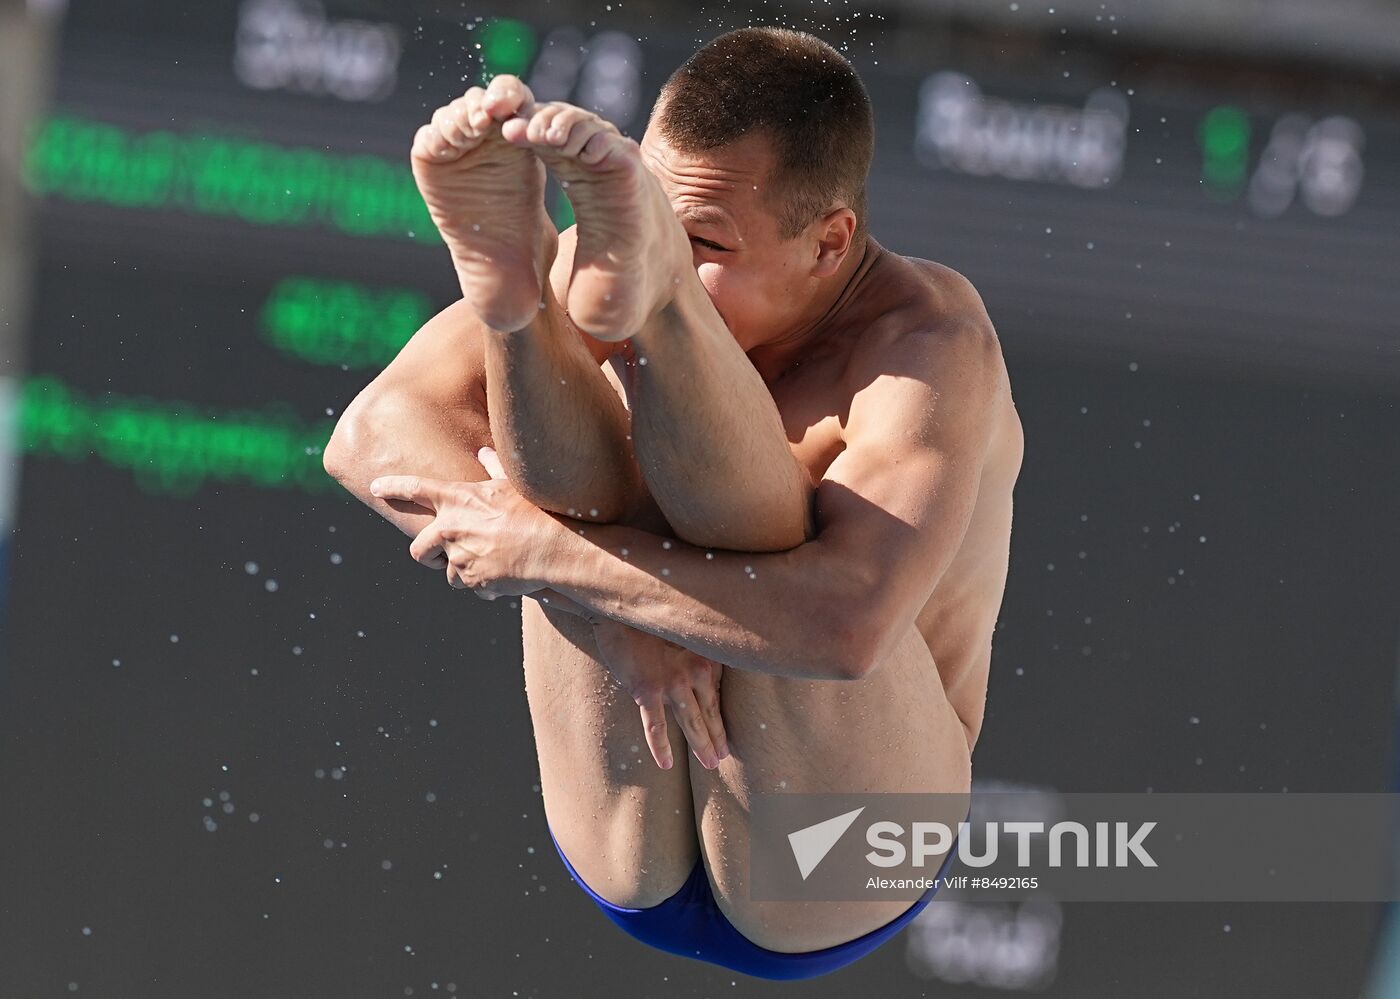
(892, 511)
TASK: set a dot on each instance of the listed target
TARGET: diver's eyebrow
(705, 215)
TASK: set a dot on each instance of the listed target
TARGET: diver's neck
(776, 357)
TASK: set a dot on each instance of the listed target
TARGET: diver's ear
(835, 232)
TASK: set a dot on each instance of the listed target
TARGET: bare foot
(631, 248)
(486, 197)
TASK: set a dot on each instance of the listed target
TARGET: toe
(601, 145)
(507, 95)
(515, 131)
(547, 117)
(428, 144)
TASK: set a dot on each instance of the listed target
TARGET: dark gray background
(1265, 361)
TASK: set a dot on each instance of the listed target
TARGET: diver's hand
(658, 674)
(488, 538)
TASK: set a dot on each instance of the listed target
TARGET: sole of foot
(486, 196)
(630, 248)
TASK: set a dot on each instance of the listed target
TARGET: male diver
(752, 470)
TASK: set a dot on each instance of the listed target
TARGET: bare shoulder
(941, 299)
(930, 325)
(928, 322)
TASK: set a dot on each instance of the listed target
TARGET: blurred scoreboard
(232, 242)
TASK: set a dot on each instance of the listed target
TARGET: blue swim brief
(690, 924)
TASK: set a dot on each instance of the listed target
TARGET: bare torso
(908, 726)
(814, 396)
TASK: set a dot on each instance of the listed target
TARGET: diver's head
(762, 140)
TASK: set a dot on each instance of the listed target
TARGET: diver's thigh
(893, 731)
(626, 825)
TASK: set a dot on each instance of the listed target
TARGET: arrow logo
(811, 845)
